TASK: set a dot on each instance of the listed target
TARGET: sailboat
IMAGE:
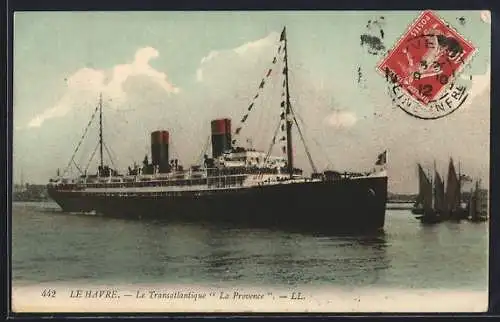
(423, 182)
(454, 209)
(430, 203)
(439, 194)
(236, 184)
(478, 204)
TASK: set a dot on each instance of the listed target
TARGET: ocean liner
(235, 185)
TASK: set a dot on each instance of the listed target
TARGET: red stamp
(427, 58)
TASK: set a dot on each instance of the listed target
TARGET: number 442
(49, 292)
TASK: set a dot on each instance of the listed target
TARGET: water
(49, 246)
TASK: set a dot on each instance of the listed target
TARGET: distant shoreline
(31, 200)
(398, 205)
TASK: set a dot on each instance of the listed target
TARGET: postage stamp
(424, 63)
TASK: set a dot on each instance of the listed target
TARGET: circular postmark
(421, 69)
(452, 98)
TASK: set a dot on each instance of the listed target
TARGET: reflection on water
(49, 246)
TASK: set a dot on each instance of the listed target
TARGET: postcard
(251, 161)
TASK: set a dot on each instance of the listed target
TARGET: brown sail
(452, 191)
(425, 191)
(421, 184)
(439, 196)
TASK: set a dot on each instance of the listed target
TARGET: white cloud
(86, 79)
(212, 54)
(59, 110)
(480, 84)
(341, 119)
(270, 40)
(140, 66)
(86, 83)
(249, 49)
(199, 72)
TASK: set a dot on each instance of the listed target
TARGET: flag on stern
(382, 158)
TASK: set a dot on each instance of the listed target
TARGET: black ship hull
(331, 206)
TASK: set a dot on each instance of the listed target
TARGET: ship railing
(229, 181)
(213, 177)
(226, 181)
(350, 175)
(254, 170)
(213, 181)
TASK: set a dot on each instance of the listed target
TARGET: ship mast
(100, 132)
(289, 146)
(433, 197)
(434, 187)
(459, 186)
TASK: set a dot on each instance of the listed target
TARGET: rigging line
(273, 83)
(91, 157)
(109, 155)
(81, 140)
(253, 101)
(115, 132)
(77, 167)
(303, 141)
(330, 163)
(112, 155)
(315, 141)
(204, 151)
(273, 142)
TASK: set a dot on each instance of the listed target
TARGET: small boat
(430, 200)
(478, 204)
(418, 207)
(454, 211)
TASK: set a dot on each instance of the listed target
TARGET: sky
(179, 70)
